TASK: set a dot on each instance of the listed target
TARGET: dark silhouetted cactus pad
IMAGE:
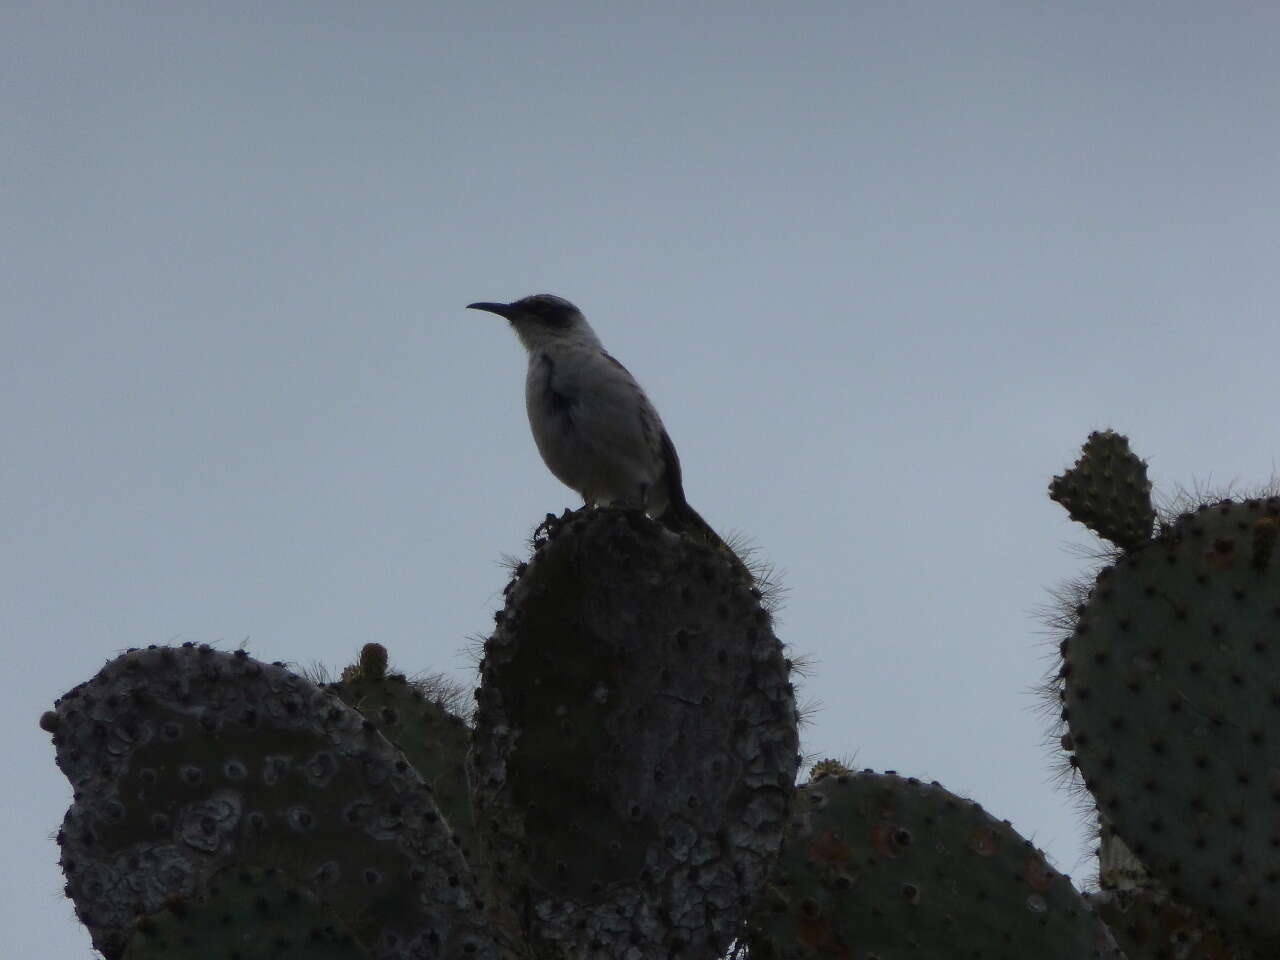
(635, 741)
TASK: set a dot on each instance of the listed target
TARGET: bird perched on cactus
(594, 425)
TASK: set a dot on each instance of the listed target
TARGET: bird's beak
(501, 309)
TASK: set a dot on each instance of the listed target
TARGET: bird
(594, 425)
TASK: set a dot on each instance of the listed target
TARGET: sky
(882, 266)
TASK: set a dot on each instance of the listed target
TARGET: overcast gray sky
(882, 266)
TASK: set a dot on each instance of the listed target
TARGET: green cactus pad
(881, 866)
(246, 914)
(1108, 491)
(432, 739)
(1171, 691)
(185, 760)
(635, 741)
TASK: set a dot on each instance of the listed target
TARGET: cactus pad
(1108, 491)
(635, 741)
(432, 739)
(1171, 690)
(878, 866)
(185, 760)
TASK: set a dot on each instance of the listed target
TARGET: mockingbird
(594, 426)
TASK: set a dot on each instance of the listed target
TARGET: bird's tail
(683, 519)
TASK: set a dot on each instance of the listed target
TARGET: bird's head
(542, 319)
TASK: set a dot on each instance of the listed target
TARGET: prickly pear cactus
(1108, 491)
(878, 866)
(636, 747)
(635, 743)
(187, 760)
(1171, 691)
(248, 914)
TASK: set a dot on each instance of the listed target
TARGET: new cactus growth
(1108, 491)
(876, 865)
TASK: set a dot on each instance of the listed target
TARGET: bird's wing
(610, 408)
(624, 395)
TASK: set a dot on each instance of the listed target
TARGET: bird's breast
(549, 395)
(593, 426)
